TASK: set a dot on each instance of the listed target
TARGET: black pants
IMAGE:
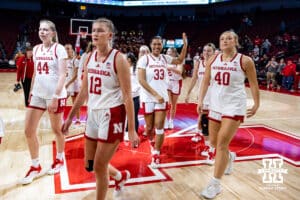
(136, 103)
(26, 84)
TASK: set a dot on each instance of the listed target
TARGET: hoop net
(83, 35)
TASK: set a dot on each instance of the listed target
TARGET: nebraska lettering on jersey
(103, 83)
(228, 94)
(46, 64)
(99, 72)
(156, 76)
(44, 58)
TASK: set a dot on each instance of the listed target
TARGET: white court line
(64, 178)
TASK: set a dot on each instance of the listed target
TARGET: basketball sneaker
(120, 183)
(231, 159)
(197, 137)
(166, 125)
(212, 189)
(55, 167)
(155, 161)
(31, 175)
(171, 124)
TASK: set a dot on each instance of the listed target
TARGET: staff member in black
(25, 68)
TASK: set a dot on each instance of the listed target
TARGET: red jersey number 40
(222, 78)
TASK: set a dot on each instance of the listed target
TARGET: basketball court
(273, 133)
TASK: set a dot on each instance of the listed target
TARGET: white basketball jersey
(47, 71)
(228, 94)
(72, 64)
(201, 71)
(103, 84)
(172, 75)
(156, 76)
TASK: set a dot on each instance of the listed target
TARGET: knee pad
(90, 166)
(204, 124)
(159, 131)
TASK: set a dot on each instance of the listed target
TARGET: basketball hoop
(83, 35)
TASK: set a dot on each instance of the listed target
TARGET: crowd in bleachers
(259, 39)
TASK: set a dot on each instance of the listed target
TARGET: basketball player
(72, 83)
(174, 87)
(82, 60)
(106, 85)
(48, 93)
(152, 74)
(143, 50)
(226, 73)
(135, 91)
(198, 73)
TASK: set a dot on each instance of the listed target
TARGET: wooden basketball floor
(278, 111)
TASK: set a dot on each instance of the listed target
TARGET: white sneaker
(126, 137)
(197, 137)
(155, 161)
(171, 124)
(33, 173)
(166, 125)
(229, 169)
(119, 185)
(211, 190)
(55, 167)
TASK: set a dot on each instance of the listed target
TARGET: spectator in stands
(256, 50)
(288, 73)
(257, 40)
(265, 47)
(278, 77)
(297, 75)
(260, 70)
(271, 71)
(25, 69)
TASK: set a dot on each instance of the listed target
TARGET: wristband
(55, 96)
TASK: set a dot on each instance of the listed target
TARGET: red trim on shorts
(115, 58)
(107, 141)
(89, 138)
(144, 109)
(180, 86)
(214, 120)
(166, 107)
(241, 63)
(205, 110)
(35, 107)
(61, 105)
(161, 110)
(235, 117)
